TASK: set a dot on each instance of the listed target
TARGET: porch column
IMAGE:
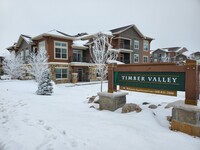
(111, 86)
(191, 82)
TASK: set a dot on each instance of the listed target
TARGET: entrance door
(80, 74)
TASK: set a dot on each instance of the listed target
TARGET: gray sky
(170, 22)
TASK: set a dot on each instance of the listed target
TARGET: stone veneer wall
(53, 72)
(92, 73)
(186, 118)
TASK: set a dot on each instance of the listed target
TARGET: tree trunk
(101, 79)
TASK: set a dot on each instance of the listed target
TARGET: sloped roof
(196, 53)
(120, 29)
(54, 33)
(80, 44)
(159, 49)
(26, 38)
(172, 49)
(124, 28)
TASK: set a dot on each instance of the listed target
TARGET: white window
(155, 55)
(61, 73)
(27, 53)
(60, 50)
(41, 45)
(136, 44)
(22, 54)
(136, 58)
(145, 59)
(155, 60)
(146, 45)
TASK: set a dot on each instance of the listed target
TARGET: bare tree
(38, 64)
(101, 53)
(13, 66)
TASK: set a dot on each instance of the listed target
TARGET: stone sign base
(185, 118)
(111, 101)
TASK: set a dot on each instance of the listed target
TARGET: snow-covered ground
(64, 121)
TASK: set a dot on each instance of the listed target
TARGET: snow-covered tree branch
(13, 65)
(38, 63)
(102, 53)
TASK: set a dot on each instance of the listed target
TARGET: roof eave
(52, 35)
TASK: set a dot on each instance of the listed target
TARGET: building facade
(170, 54)
(69, 56)
(133, 46)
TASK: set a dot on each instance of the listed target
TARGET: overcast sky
(170, 22)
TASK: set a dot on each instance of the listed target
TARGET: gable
(130, 33)
(158, 51)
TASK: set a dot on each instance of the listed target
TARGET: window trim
(61, 49)
(144, 59)
(42, 43)
(136, 41)
(144, 44)
(138, 58)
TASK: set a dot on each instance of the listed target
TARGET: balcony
(79, 59)
(125, 46)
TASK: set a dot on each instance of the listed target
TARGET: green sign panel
(154, 80)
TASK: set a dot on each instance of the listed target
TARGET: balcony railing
(79, 59)
(125, 46)
(126, 61)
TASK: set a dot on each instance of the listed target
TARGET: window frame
(41, 45)
(146, 45)
(136, 42)
(144, 59)
(137, 57)
(61, 70)
(61, 50)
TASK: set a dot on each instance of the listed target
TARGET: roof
(25, 38)
(159, 49)
(195, 53)
(80, 44)
(54, 33)
(172, 49)
(90, 36)
(124, 28)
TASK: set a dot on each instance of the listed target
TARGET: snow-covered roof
(80, 43)
(187, 53)
(160, 49)
(81, 64)
(27, 39)
(114, 61)
(89, 36)
(54, 33)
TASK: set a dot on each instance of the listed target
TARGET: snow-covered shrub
(45, 86)
(6, 77)
(13, 66)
